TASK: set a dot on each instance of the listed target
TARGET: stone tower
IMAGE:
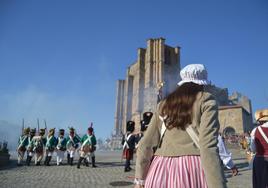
(153, 75)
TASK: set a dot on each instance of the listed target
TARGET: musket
(45, 125)
(38, 125)
(22, 129)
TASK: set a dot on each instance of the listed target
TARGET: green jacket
(89, 140)
(23, 141)
(39, 143)
(61, 143)
(51, 142)
(31, 143)
(74, 142)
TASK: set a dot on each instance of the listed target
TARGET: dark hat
(33, 131)
(130, 126)
(147, 116)
(52, 131)
(26, 130)
(61, 131)
(143, 125)
(90, 129)
(71, 129)
(42, 131)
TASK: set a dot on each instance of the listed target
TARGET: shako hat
(130, 126)
(147, 116)
(90, 129)
(42, 131)
(33, 131)
(51, 131)
(71, 129)
(143, 126)
(26, 130)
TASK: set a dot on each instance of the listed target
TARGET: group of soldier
(39, 144)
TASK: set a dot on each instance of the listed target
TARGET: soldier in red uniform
(259, 145)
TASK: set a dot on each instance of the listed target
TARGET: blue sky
(60, 60)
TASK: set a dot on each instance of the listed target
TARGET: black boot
(28, 160)
(79, 162)
(93, 162)
(68, 159)
(127, 166)
(37, 163)
(71, 161)
(48, 160)
(45, 162)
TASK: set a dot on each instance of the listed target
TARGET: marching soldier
(39, 144)
(30, 147)
(22, 144)
(61, 147)
(128, 142)
(73, 141)
(88, 147)
(51, 144)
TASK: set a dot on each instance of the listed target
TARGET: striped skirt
(176, 172)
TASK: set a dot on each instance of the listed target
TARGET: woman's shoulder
(205, 95)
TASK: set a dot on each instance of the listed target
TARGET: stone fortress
(154, 75)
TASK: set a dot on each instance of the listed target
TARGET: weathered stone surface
(109, 173)
(156, 64)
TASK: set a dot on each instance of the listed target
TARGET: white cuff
(138, 181)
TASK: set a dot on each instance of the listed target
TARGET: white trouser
(30, 153)
(60, 156)
(38, 156)
(89, 155)
(225, 155)
(20, 156)
(49, 153)
(71, 152)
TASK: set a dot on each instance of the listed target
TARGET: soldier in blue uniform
(61, 147)
(73, 141)
(51, 144)
(22, 144)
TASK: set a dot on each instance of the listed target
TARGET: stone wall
(156, 64)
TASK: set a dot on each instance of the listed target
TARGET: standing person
(39, 144)
(128, 143)
(226, 156)
(22, 144)
(73, 141)
(61, 147)
(87, 148)
(51, 144)
(259, 145)
(186, 120)
(93, 147)
(30, 147)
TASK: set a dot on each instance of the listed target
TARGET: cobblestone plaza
(108, 174)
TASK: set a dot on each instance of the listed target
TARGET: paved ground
(108, 174)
